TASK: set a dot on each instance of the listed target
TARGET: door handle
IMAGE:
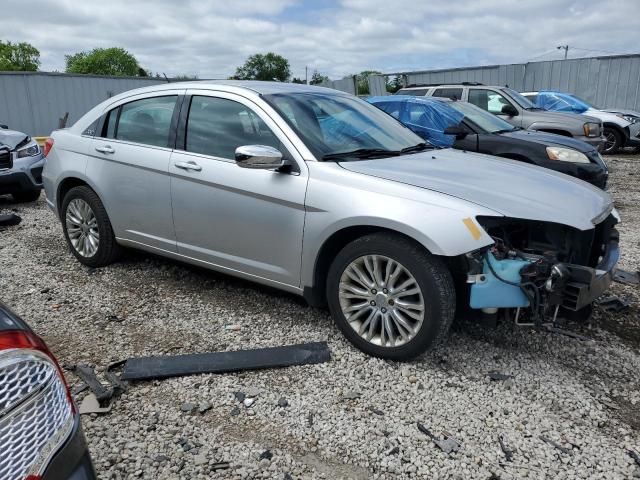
(105, 149)
(188, 166)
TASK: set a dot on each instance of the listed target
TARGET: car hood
(623, 111)
(607, 117)
(565, 117)
(508, 187)
(11, 138)
(544, 138)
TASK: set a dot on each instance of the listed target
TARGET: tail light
(48, 145)
(36, 409)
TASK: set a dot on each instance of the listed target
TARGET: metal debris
(219, 466)
(448, 445)
(613, 304)
(497, 376)
(556, 445)
(88, 376)
(627, 278)
(266, 455)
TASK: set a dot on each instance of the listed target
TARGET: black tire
(615, 138)
(108, 250)
(25, 197)
(432, 276)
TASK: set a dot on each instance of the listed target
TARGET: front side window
(217, 126)
(488, 100)
(392, 108)
(335, 124)
(452, 93)
(483, 120)
(146, 121)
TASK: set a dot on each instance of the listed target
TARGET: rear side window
(146, 121)
(452, 93)
(217, 126)
(416, 92)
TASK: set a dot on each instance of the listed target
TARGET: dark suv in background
(515, 109)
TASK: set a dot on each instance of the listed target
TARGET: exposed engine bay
(541, 266)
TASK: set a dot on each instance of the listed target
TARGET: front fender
(338, 199)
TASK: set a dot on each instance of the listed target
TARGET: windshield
(486, 121)
(520, 99)
(334, 124)
(561, 102)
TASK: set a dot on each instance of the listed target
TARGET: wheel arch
(314, 294)
(619, 129)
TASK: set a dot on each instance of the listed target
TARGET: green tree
(19, 57)
(297, 80)
(363, 81)
(394, 84)
(269, 66)
(105, 61)
(317, 78)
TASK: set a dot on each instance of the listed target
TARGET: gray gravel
(354, 417)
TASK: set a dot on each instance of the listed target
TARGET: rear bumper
(72, 462)
(586, 284)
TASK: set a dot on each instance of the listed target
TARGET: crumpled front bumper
(586, 284)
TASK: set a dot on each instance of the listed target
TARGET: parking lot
(354, 417)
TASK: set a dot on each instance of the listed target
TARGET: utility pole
(306, 75)
(565, 48)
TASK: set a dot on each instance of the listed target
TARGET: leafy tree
(363, 81)
(297, 80)
(105, 61)
(269, 66)
(394, 84)
(317, 78)
(19, 57)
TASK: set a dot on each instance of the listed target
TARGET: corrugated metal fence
(33, 102)
(608, 82)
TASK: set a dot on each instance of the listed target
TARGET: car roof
(407, 98)
(259, 87)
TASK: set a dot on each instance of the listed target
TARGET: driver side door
(235, 219)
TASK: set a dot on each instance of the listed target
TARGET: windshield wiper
(417, 148)
(361, 153)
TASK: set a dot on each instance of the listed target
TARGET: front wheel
(390, 297)
(612, 141)
(87, 228)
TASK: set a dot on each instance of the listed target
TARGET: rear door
(242, 220)
(130, 168)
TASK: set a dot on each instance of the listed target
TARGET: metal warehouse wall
(33, 102)
(608, 82)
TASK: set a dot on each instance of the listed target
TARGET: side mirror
(4, 127)
(259, 157)
(509, 110)
(456, 130)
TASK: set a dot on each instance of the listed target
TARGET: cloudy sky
(210, 38)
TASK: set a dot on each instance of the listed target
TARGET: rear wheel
(612, 141)
(28, 196)
(87, 228)
(390, 297)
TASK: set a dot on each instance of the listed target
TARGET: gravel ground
(354, 417)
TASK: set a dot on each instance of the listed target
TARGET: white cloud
(212, 38)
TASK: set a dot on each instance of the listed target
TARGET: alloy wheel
(381, 300)
(82, 227)
(609, 141)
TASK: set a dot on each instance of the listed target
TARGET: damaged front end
(542, 266)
